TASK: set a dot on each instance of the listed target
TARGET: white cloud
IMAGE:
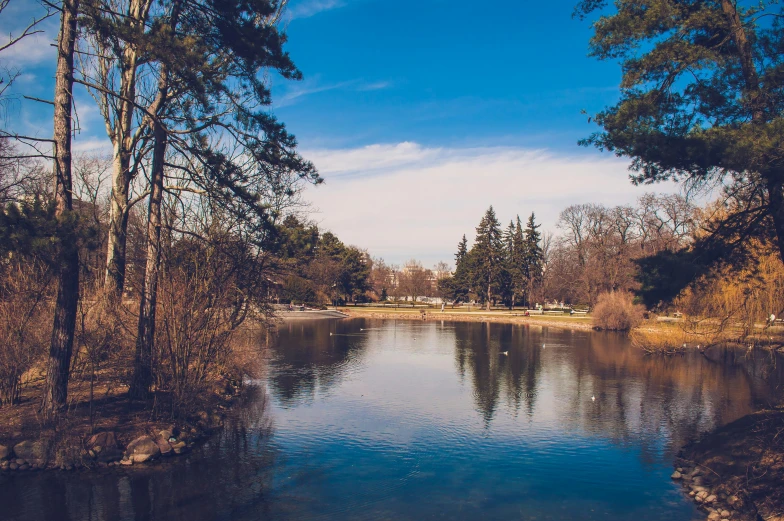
(406, 200)
(31, 50)
(308, 8)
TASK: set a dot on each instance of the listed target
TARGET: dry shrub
(663, 341)
(738, 300)
(245, 357)
(201, 306)
(25, 325)
(102, 345)
(616, 311)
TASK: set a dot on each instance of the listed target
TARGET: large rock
(31, 451)
(5, 452)
(142, 449)
(164, 446)
(102, 439)
(109, 455)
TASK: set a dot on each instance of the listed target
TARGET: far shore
(582, 323)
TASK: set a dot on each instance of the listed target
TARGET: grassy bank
(475, 315)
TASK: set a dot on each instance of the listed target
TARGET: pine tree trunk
(776, 209)
(142, 369)
(58, 365)
(487, 306)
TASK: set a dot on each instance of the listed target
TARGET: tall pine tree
(517, 261)
(488, 253)
(458, 286)
(534, 256)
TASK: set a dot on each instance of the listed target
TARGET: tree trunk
(776, 210)
(142, 368)
(123, 141)
(58, 364)
(118, 225)
(487, 306)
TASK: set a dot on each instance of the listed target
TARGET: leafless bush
(616, 311)
(25, 324)
(102, 345)
(201, 306)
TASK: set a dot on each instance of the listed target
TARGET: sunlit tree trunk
(58, 363)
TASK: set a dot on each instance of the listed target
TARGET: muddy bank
(534, 320)
(737, 471)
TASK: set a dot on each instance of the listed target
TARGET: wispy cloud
(403, 200)
(308, 8)
(306, 89)
(379, 85)
(298, 91)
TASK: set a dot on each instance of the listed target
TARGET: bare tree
(414, 280)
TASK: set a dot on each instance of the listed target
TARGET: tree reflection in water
(363, 419)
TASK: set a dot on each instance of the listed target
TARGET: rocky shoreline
(718, 505)
(109, 448)
(736, 473)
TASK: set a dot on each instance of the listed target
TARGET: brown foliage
(25, 325)
(616, 311)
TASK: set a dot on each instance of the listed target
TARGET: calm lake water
(376, 420)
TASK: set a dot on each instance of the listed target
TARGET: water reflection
(322, 354)
(235, 472)
(367, 419)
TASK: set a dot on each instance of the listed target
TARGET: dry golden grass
(665, 340)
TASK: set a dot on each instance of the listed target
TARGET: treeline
(320, 269)
(597, 250)
(94, 285)
(503, 265)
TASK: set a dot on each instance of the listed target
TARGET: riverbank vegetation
(136, 288)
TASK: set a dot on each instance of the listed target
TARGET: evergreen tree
(518, 260)
(701, 102)
(458, 287)
(488, 253)
(534, 256)
(507, 278)
(55, 390)
(462, 250)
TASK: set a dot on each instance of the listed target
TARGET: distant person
(442, 307)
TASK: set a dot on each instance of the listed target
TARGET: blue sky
(419, 114)
(443, 72)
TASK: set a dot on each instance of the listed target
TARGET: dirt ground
(111, 411)
(742, 467)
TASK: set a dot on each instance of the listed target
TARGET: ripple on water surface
(366, 420)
